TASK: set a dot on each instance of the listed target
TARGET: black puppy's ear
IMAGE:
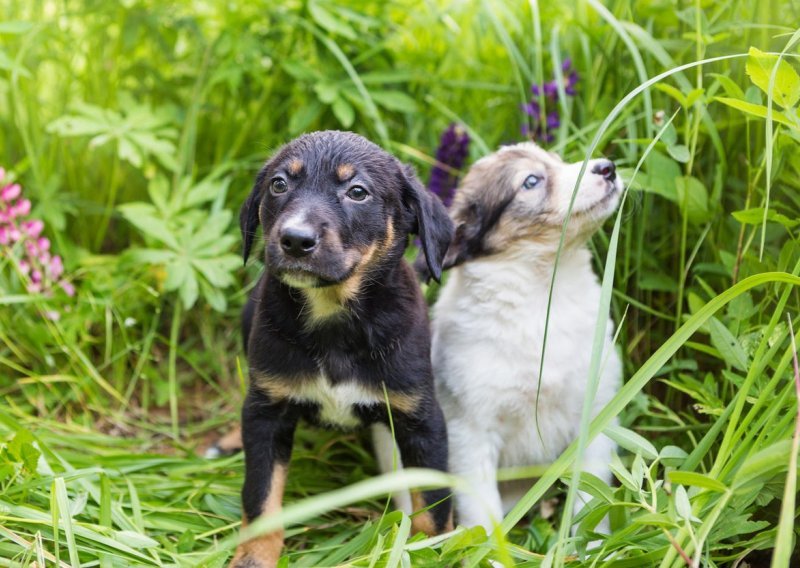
(433, 224)
(248, 218)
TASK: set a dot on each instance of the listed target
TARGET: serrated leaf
(759, 68)
(631, 441)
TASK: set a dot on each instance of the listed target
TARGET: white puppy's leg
(474, 457)
(388, 458)
(596, 460)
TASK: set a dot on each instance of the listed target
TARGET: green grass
(136, 128)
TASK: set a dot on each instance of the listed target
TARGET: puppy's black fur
(374, 333)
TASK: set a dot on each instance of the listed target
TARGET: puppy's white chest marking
(335, 402)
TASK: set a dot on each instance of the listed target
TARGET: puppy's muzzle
(298, 240)
(606, 169)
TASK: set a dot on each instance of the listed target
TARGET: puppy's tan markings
(264, 551)
(295, 166)
(422, 521)
(345, 172)
(231, 442)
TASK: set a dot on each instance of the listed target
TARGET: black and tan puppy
(338, 316)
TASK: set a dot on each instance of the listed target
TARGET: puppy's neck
(323, 304)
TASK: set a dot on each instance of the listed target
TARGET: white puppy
(489, 323)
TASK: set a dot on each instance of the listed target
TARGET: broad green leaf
(189, 291)
(692, 199)
(672, 456)
(631, 441)
(134, 539)
(301, 119)
(727, 345)
(344, 112)
(662, 171)
(755, 216)
(679, 152)
(760, 66)
(394, 100)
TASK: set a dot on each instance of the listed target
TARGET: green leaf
(662, 171)
(682, 505)
(693, 199)
(679, 152)
(189, 291)
(394, 100)
(759, 68)
(693, 479)
(23, 451)
(727, 345)
(763, 465)
(134, 539)
(631, 441)
(755, 216)
(672, 456)
(143, 217)
(758, 110)
(330, 22)
(302, 119)
(344, 112)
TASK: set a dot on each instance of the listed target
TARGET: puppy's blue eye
(278, 186)
(357, 193)
(530, 182)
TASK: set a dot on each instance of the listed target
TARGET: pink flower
(22, 237)
(10, 192)
(33, 228)
(22, 208)
(67, 287)
(56, 267)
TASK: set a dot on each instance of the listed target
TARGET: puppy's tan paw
(227, 445)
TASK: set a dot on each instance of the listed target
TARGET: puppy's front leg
(422, 440)
(267, 434)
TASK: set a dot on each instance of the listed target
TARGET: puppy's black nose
(605, 168)
(299, 241)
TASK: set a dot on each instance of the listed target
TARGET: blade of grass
(781, 557)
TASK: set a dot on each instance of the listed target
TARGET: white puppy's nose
(605, 168)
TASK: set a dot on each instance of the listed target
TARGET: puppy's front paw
(249, 559)
(229, 444)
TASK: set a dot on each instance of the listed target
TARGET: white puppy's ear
(467, 236)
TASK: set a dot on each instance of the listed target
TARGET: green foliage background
(136, 128)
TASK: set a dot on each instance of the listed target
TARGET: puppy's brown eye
(530, 182)
(278, 186)
(357, 193)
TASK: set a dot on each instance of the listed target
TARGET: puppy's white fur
(488, 329)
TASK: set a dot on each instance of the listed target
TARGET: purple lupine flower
(539, 125)
(23, 238)
(450, 155)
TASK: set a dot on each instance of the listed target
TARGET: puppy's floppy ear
(468, 221)
(248, 216)
(433, 224)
